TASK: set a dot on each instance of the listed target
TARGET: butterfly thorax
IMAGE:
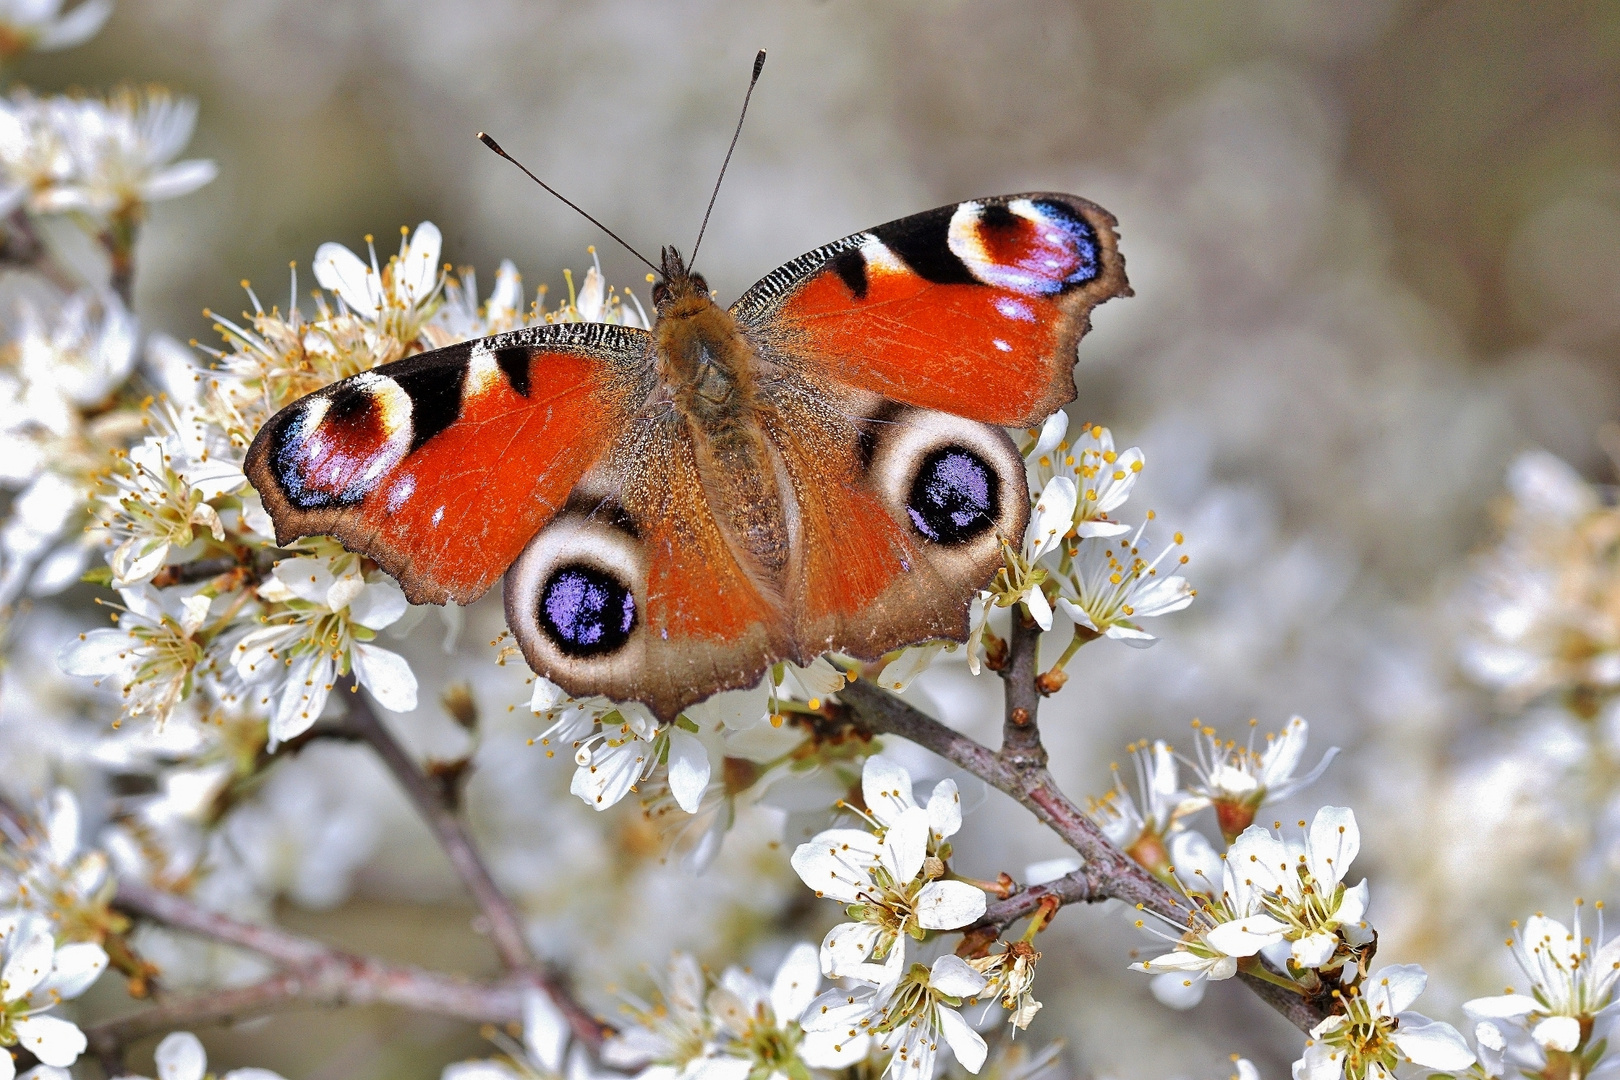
(710, 372)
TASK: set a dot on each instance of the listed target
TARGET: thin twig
(505, 927)
(135, 897)
(1075, 888)
(338, 979)
(315, 974)
(428, 797)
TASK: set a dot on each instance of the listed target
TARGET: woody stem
(1019, 769)
(429, 799)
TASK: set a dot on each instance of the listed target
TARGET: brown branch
(429, 798)
(1020, 771)
(137, 898)
(316, 974)
(336, 979)
(505, 927)
(1075, 888)
(1020, 735)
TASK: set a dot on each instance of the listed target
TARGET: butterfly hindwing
(901, 515)
(973, 309)
(441, 466)
(634, 591)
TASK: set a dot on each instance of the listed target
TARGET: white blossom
(1238, 780)
(154, 655)
(123, 152)
(330, 613)
(1144, 824)
(398, 298)
(1286, 891)
(1377, 1037)
(908, 1014)
(1571, 1006)
(42, 25)
(674, 1038)
(1113, 588)
(762, 1022)
(46, 870)
(890, 884)
(37, 975)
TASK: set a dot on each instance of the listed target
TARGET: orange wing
(973, 309)
(901, 518)
(443, 465)
(634, 592)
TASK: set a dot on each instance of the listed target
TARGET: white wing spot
(438, 515)
(1002, 345)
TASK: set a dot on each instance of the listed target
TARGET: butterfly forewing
(973, 309)
(441, 466)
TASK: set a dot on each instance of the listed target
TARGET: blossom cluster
(1543, 604)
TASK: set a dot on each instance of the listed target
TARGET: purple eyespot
(955, 497)
(586, 611)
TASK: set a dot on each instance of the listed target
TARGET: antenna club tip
(759, 63)
(484, 138)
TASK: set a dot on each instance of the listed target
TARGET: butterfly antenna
(495, 146)
(759, 65)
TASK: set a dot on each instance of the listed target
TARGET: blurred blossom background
(1376, 254)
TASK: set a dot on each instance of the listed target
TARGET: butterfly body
(712, 377)
(820, 467)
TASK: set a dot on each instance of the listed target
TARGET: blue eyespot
(586, 611)
(955, 497)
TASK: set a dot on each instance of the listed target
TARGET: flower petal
(945, 810)
(948, 905)
(1433, 1044)
(1391, 990)
(797, 980)
(905, 844)
(545, 1030)
(965, 1043)
(688, 769)
(886, 789)
(76, 967)
(53, 1040)
(1314, 950)
(899, 673)
(1334, 842)
(1174, 990)
(836, 863)
(1245, 937)
(378, 604)
(387, 675)
(846, 948)
(954, 977)
(30, 960)
(180, 1056)
(340, 270)
(1558, 1033)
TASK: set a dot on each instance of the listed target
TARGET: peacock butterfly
(822, 467)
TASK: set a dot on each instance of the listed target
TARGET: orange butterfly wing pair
(886, 360)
